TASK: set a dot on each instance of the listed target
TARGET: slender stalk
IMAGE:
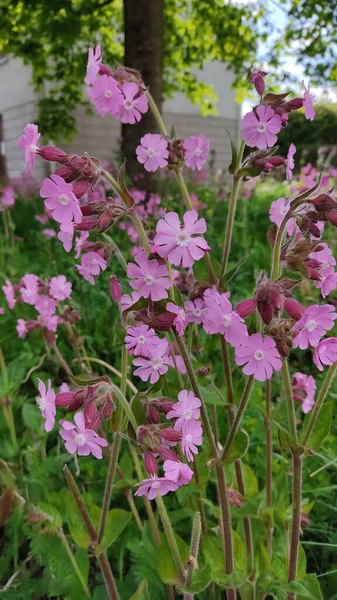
(231, 212)
(141, 231)
(276, 258)
(124, 361)
(126, 407)
(238, 417)
(61, 360)
(116, 250)
(226, 525)
(73, 561)
(147, 503)
(215, 424)
(200, 502)
(194, 549)
(98, 361)
(227, 370)
(295, 521)
(170, 538)
(156, 114)
(133, 509)
(102, 558)
(290, 399)
(114, 453)
(6, 403)
(319, 402)
(269, 463)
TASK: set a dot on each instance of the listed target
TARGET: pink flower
(140, 340)
(106, 96)
(178, 472)
(309, 111)
(316, 321)
(290, 162)
(7, 199)
(194, 310)
(177, 363)
(92, 263)
(324, 256)
(156, 364)
(60, 288)
(28, 141)
(328, 281)
(21, 328)
(150, 278)
(306, 386)
(156, 485)
(61, 200)
(8, 290)
(127, 301)
(134, 104)
(46, 403)
(259, 127)
(180, 322)
(259, 355)
(196, 151)
(177, 243)
(192, 437)
(78, 438)
(278, 210)
(49, 233)
(30, 289)
(45, 306)
(93, 65)
(152, 151)
(218, 317)
(325, 353)
(79, 242)
(186, 409)
(50, 322)
(66, 237)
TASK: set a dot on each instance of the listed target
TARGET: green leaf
(31, 416)
(165, 565)
(210, 397)
(233, 271)
(85, 379)
(237, 449)
(119, 333)
(142, 592)
(75, 523)
(201, 580)
(249, 172)
(214, 557)
(321, 428)
(55, 518)
(115, 523)
(201, 271)
(231, 167)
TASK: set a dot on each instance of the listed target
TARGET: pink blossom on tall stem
(257, 78)
(259, 355)
(219, 317)
(29, 142)
(177, 243)
(152, 151)
(192, 437)
(50, 322)
(60, 288)
(325, 353)
(194, 310)
(316, 321)
(323, 255)
(79, 242)
(304, 388)
(156, 364)
(260, 126)
(66, 237)
(106, 95)
(328, 281)
(45, 306)
(135, 104)
(127, 301)
(30, 288)
(149, 278)
(177, 363)
(60, 200)
(178, 472)
(186, 409)
(21, 328)
(93, 65)
(79, 438)
(8, 290)
(7, 198)
(278, 210)
(196, 151)
(180, 322)
(309, 111)
(92, 263)
(46, 403)
(156, 485)
(140, 340)
(290, 162)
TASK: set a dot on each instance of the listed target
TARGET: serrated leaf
(53, 516)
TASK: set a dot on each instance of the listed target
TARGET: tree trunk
(143, 50)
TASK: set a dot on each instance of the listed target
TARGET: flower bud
(80, 188)
(105, 70)
(78, 400)
(275, 299)
(51, 153)
(105, 220)
(115, 289)
(150, 463)
(293, 308)
(314, 274)
(171, 435)
(266, 311)
(162, 322)
(295, 103)
(87, 224)
(323, 202)
(282, 347)
(64, 399)
(245, 308)
(204, 371)
(167, 454)
(257, 79)
(234, 497)
(331, 215)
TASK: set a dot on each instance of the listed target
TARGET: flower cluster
(156, 151)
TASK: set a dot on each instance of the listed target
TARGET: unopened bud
(86, 224)
(64, 399)
(78, 400)
(167, 454)
(153, 415)
(266, 311)
(323, 202)
(150, 463)
(115, 289)
(51, 153)
(314, 274)
(105, 221)
(275, 299)
(204, 371)
(293, 308)
(80, 188)
(331, 215)
(171, 435)
(257, 78)
(295, 103)
(245, 308)
(105, 70)
(282, 347)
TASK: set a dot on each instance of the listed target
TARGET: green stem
(231, 212)
(319, 402)
(124, 360)
(170, 538)
(126, 407)
(156, 114)
(73, 561)
(194, 550)
(290, 399)
(238, 417)
(269, 463)
(114, 453)
(296, 521)
(141, 231)
(98, 361)
(5, 224)
(227, 370)
(108, 577)
(62, 361)
(116, 250)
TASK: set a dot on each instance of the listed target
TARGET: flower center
(197, 312)
(42, 403)
(311, 325)
(183, 238)
(108, 93)
(63, 200)
(33, 148)
(128, 104)
(258, 355)
(187, 415)
(155, 485)
(148, 280)
(197, 152)
(157, 363)
(150, 152)
(189, 438)
(141, 339)
(227, 320)
(261, 127)
(80, 439)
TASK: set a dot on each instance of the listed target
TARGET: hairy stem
(141, 231)
(269, 463)
(194, 549)
(295, 521)
(170, 538)
(319, 402)
(289, 399)
(231, 212)
(73, 561)
(114, 453)
(238, 417)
